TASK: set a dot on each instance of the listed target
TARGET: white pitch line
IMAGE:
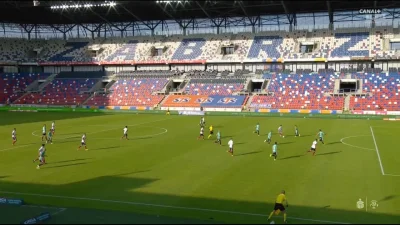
(164, 206)
(377, 151)
(33, 133)
(392, 175)
(355, 146)
(19, 146)
(60, 210)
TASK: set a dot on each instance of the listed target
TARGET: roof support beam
(243, 9)
(330, 13)
(287, 12)
(136, 17)
(373, 15)
(202, 9)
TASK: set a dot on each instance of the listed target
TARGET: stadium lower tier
(53, 99)
(213, 101)
(291, 102)
(112, 99)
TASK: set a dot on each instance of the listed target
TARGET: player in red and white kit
(83, 143)
(14, 136)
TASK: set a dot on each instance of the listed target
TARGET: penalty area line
(164, 206)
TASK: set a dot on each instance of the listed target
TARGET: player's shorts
(50, 138)
(231, 149)
(41, 158)
(125, 135)
(44, 134)
(274, 153)
(321, 139)
(211, 132)
(83, 143)
(201, 134)
(313, 149)
(279, 206)
(14, 138)
(269, 139)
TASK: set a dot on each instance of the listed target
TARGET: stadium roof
(23, 12)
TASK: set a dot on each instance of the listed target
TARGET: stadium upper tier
(244, 46)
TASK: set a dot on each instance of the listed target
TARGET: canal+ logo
(370, 11)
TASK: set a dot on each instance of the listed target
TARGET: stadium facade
(213, 55)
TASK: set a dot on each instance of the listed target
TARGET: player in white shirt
(202, 122)
(274, 151)
(230, 144)
(125, 133)
(83, 143)
(280, 131)
(14, 136)
(314, 147)
(41, 156)
(201, 133)
(44, 134)
(53, 127)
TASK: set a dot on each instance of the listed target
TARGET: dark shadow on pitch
(334, 143)
(141, 138)
(106, 148)
(285, 143)
(79, 133)
(248, 153)
(135, 172)
(68, 165)
(126, 194)
(291, 157)
(239, 143)
(307, 135)
(72, 160)
(328, 153)
(387, 198)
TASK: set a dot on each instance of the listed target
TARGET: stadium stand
(384, 89)
(62, 91)
(265, 45)
(299, 91)
(13, 85)
(221, 87)
(131, 92)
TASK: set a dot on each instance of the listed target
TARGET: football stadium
(199, 112)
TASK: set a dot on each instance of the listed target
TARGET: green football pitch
(163, 174)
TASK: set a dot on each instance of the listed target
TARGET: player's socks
(270, 215)
(284, 217)
(270, 155)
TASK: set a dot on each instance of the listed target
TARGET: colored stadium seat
(62, 92)
(12, 85)
(299, 91)
(131, 92)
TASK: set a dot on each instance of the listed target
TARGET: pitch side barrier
(242, 114)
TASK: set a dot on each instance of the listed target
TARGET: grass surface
(163, 170)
